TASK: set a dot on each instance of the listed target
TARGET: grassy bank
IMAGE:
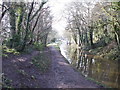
(38, 57)
(10, 52)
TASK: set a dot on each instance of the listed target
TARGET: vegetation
(7, 82)
(26, 27)
(25, 24)
(39, 46)
(95, 25)
(7, 51)
(107, 53)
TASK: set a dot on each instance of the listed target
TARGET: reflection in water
(102, 70)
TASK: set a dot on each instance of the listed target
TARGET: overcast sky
(57, 7)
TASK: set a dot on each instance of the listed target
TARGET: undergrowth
(6, 83)
(108, 53)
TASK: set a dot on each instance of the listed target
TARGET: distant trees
(25, 23)
(78, 23)
(94, 24)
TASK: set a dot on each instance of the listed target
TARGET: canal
(92, 66)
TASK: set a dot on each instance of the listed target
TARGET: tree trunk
(12, 24)
(91, 38)
(86, 38)
(20, 19)
(27, 28)
(117, 36)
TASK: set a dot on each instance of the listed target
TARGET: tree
(23, 20)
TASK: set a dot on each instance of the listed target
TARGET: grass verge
(55, 45)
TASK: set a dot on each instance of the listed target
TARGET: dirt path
(60, 74)
(63, 76)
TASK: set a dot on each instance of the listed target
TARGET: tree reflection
(102, 70)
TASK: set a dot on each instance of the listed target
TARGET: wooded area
(25, 24)
(94, 25)
(30, 46)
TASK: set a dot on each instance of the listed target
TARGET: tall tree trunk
(33, 29)
(80, 42)
(20, 19)
(91, 37)
(86, 38)
(29, 18)
(27, 28)
(117, 36)
(45, 41)
(12, 24)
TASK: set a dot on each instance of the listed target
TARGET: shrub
(39, 46)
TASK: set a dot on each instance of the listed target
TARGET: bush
(39, 46)
(15, 42)
(28, 49)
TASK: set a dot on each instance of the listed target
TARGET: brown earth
(59, 75)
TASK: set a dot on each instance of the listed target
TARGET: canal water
(91, 66)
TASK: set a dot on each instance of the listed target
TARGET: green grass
(42, 61)
(55, 45)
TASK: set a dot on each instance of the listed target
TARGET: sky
(57, 7)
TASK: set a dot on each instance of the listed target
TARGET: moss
(9, 51)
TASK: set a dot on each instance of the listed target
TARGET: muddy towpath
(64, 76)
(60, 74)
